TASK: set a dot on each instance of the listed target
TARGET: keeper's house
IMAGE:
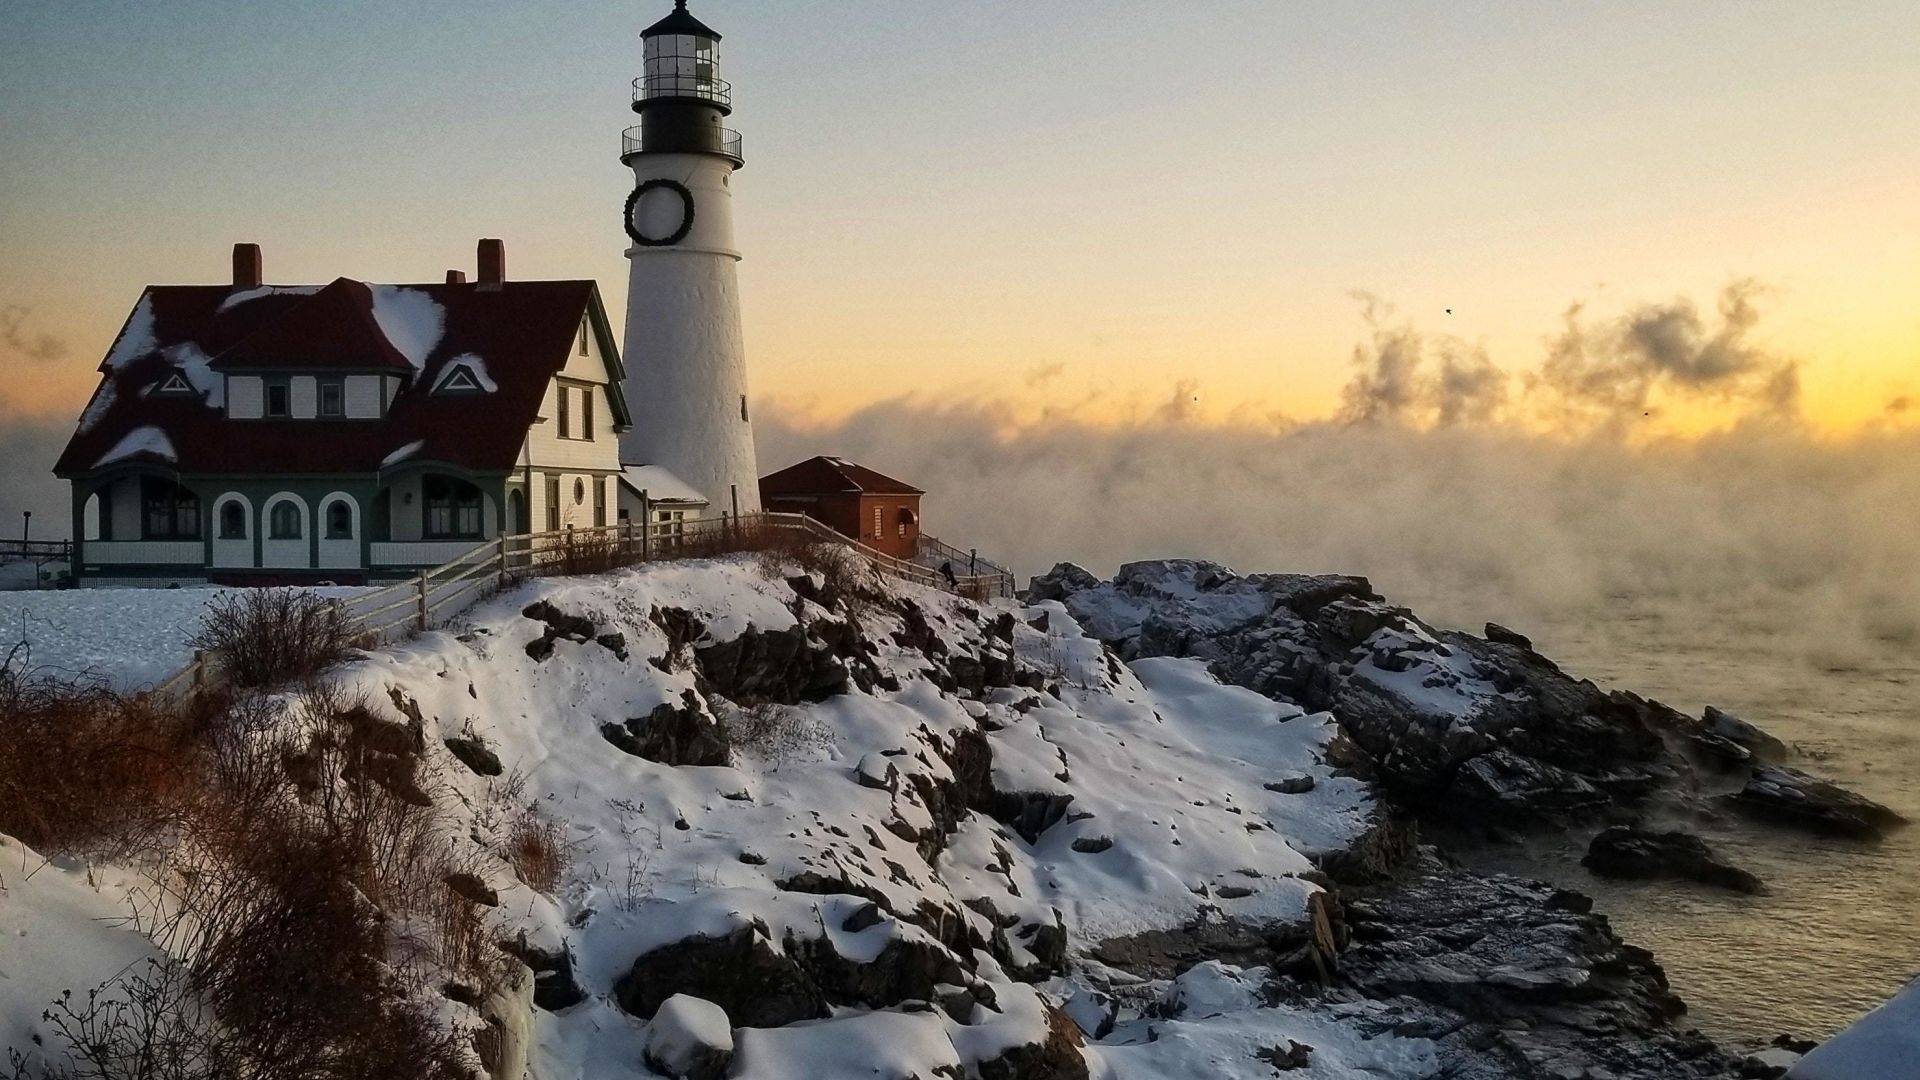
(255, 434)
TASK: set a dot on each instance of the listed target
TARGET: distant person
(946, 570)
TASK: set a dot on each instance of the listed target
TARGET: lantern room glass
(683, 65)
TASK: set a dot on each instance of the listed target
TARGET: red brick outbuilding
(856, 501)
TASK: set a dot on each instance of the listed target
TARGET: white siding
(125, 496)
(341, 554)
(601, 453)
(363, 397)
(286, 554)
(391, 383)
(238, 552)
(406, 514)
(246, 400)
(305, 397)
(153, 552)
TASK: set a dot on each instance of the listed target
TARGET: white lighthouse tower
(686, 361)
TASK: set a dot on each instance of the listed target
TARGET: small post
(423, 600)
(26, 529)
(646, 525)
(503, 560)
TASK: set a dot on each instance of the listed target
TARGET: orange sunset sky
(1069, 204)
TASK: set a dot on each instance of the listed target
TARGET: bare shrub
(271, 637)
(537, 848)
(146, 1023)
(84, 769)
(778, 733)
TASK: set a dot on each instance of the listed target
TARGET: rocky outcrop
(1626, 852)
(689, 1039)
(1515, 980)
(1057, 1057)
(1793, 797)
(682, 734)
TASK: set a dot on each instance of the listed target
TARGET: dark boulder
(1625, 852)
(473, 752)
(1793, 797)
(742, 972)
(1056, 1057)
(1062, 581)
(554, 985)
(1762, 746)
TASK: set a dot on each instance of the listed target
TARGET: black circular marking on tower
(686, 216)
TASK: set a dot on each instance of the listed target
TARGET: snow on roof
(136, 338)
(141, 440)
(193, 362)
(412, 321)
(403, 453)
(245, 295)
(660, 484)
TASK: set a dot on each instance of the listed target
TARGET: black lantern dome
(681, 98)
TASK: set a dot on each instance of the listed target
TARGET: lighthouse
(685, 357)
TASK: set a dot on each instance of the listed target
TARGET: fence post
(503, 560)
(423, 601)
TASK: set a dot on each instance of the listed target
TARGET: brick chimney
(456, 277)
(493, 263)
(246, 266)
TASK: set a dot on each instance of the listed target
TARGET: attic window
(459, 379)
(175, 383)
(583, 337)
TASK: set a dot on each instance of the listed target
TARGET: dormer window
(333, 398)
(175, 383)
(458, 379)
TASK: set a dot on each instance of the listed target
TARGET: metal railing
(714, 140)
(35, 549)
(934, 552)
(682, 85)
(433, 596)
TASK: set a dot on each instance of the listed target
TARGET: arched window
(233, 520)
(283, 521)
(339, 520)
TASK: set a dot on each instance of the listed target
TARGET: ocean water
(1840, 930)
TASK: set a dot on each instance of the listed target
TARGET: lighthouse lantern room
(685, 354)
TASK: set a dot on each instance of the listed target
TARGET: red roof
(831, 476)
(522, 333)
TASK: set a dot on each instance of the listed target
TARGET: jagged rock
(1057, 1057)
(1503, 636)
(1029, 813)
(1762, 746)
(683, 734)
(1062, 581)
(877, 771)
(689, 1039)
(559, 624)
(474, 753)
(906, 969)
(1292, 785)
(375, 735)
(1627, 852)
(1289, 1057)
(473, 888)
(554, 986)
(810, 662)
(614, 643)
(1092, 845)
(742, 972)
(1792, 796)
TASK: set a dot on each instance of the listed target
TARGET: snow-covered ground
(132, 638)
(1184, 802)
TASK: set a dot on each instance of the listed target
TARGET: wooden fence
(433, 596)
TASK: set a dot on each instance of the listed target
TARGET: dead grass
(295, 871)
(537, 847)
(775, 732)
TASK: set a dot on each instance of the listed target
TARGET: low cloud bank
(1437, 481)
